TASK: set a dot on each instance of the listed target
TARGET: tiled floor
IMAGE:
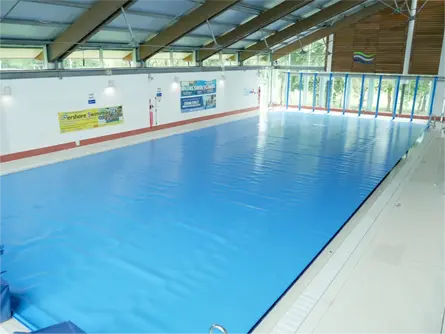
(390, 276)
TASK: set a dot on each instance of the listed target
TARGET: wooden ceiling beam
(299, 27)
(90, 22)
(183, 26)
(262, 20)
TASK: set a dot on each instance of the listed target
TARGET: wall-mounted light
(222, 79)
(175, 84)
(6, 93)
(110, 88)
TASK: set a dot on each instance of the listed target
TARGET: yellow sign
(90, 118)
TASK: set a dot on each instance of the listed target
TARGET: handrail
(218, 327)
(359, 74)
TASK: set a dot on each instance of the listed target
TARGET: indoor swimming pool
(178, 233)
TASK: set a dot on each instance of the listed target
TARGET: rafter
(184, 25)
(102, 12)
(262, 20)
(299, 27)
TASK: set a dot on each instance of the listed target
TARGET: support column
(270, 97)
(50, 65)
(347, 100)
(101, 57)
(439, 98)
(321, 91)
(409, 44)
(135, 62)
(330, 50)
(409, 36)
(370, 94)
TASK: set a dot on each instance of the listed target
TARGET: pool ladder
(220, 329)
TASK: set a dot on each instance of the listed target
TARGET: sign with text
(198, 95)
(196, 103)
(90, 118)
(198, 87)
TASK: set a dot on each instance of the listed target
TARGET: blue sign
(195, 103)
(198, 87)
(91, 101)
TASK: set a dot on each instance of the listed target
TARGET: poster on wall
(198, 95)
(90, 118)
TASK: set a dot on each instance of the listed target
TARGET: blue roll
(66, 327)
(5, 301)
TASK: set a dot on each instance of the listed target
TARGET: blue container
(5, 301)
(66, 327)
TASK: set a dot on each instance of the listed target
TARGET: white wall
(4, 140)
(29, 117)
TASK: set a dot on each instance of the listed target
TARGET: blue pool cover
(175, 234)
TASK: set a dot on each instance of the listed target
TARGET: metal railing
(407, 96)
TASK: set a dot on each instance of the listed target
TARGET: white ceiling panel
(263, 4)
(192, 41)
(166, 7)
(23, 31)
(104, 36)
(44, 12)
(140, 22)
(233, 16)
(6, 6)
(216, 28)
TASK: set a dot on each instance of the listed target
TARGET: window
(229, 59)
(311, 55)
(117, 58)
(173, 58)
(94, 58)
(83, 59)
(21, 59)
(258, 60)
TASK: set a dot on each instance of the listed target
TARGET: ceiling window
(83, 59)
(173, 58)
(95, 58)
(227, 59)
(258, 60)
(21, 59)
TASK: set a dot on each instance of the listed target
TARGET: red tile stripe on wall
(70, 145)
